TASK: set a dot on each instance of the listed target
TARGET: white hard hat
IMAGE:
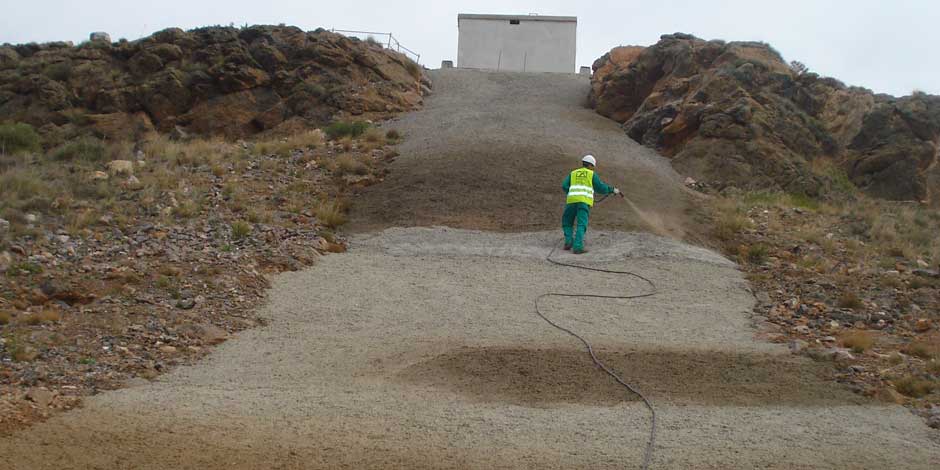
(589, 159)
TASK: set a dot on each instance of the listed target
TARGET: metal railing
(387, 41)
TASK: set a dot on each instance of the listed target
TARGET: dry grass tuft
(240, 230)
(5, 318)
(933, 367)
(284, 147)
(330, 213)
(346, 143)
(348, 164)
(849, 299)
(922, 349)
(374, 136)
(757, 254)
(913, 387)
(858, 341)
(45, 316)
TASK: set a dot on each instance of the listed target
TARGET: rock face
(736, 114)
(220, 81)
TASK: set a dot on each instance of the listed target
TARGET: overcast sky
(888, 46)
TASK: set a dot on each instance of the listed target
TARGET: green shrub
(850, 300)
(757, 254)
(18, 138)
(240, 230)
(309, 89)
(346, 129)
(86, 149)
(60, 71)
(914, 387)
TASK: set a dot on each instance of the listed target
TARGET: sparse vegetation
(85, 149)
(348, 164)
(42, 317)
(933, 366)
(413, 69)
(913, 386)
(393, 135)
(858, 341)
(374, 136)
(730, 222)
(18, 138)
(756, 254)
(341, 129)
(849, 299)
(283, 147)
(849, 264)
(922, 349)
(59, 71)
(145, 243)
(240, 230)
(330, 213)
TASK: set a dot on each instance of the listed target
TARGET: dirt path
(419, 349)
(489, 151)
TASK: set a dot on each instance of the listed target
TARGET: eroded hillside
(212, 81)
(734, 113)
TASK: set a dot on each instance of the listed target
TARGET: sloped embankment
(490, 150)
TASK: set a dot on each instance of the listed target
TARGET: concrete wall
(536, 44)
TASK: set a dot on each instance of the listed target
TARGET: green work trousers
(574, 233)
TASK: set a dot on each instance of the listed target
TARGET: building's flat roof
(562, 19)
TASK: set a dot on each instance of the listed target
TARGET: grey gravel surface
(419, 349)
(490, 149)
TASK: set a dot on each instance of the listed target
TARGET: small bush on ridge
(18, 138)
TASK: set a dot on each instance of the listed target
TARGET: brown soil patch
(544, 377)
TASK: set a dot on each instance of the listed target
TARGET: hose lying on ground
(652, 439)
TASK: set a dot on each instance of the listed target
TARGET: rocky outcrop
(736, 114)
(220, 81)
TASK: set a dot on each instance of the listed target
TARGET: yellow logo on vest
(582, 187)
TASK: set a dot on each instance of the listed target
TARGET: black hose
(648, 455)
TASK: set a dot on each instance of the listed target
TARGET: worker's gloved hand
(617, 192)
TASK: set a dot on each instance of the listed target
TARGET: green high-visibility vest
(582, 187)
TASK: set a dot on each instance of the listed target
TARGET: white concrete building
(523, 43)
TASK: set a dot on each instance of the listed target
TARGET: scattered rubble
(98, 293)
(842, 282)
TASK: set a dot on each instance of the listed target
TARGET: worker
(580, 186)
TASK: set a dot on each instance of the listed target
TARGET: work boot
(580, 252)
(567, 246)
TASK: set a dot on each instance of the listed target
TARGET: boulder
(144, 63)
(9, 58)
(40, 396)
(121, 126)
(100, 37)
(121, 167)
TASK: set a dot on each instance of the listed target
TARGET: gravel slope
(419, 349)
(490, 150)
